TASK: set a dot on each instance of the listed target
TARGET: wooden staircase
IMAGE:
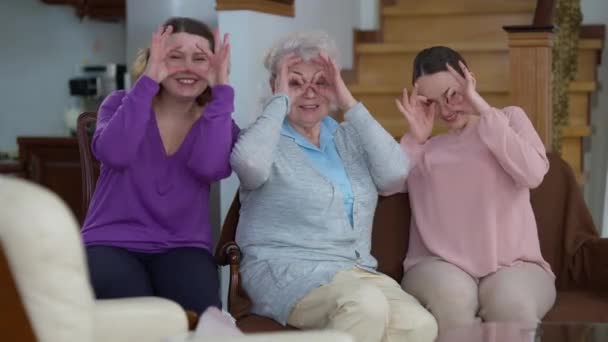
(383, 60)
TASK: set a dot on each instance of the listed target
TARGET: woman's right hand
(419, 114)
(156, 67)
(284, 77)
(219, 59)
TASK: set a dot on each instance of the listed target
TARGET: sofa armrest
(239, 303)
(228, 253)
(590, 265)
(138, 319)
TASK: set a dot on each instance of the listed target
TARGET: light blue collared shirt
(325, 158)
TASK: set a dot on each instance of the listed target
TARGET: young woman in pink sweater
(473, 252)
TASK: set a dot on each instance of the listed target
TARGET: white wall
(596, 12)
(336, 17)
(41, 47)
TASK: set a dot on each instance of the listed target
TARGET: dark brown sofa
(569, 242)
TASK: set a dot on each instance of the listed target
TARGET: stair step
(476, 46)
(391, 63)
(415, 47)
(576, 131)
(462, 27)
(583, 86)
(590, 44)
(418, 8)
(460, 5)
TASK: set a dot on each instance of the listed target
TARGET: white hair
(305, 44)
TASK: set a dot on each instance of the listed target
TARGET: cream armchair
(41, 244)
(45, 293)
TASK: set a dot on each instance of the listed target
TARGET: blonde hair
(305, 44)
(140, 63)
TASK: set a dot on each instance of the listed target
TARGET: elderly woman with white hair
(309, 188)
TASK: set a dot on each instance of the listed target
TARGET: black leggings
(188, 276)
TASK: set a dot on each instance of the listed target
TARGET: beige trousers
(521, 293)
(370, 307)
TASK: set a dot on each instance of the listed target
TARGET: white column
(368, 14)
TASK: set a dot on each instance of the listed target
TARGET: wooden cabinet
(12, 168)
(96, 9)
(55, 164)
(105, 9)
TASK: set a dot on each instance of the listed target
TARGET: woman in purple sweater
(161, 145)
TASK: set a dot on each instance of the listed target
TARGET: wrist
(420, 140)
(280, 90)
(480, 105)
(348, 103)
(155, 76)
(413, 140)
(221, 80)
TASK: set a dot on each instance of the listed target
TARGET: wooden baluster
(530, 54)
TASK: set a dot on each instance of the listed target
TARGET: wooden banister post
(530, 55)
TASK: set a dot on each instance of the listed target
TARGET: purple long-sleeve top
(146, 200)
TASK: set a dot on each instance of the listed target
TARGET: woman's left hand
(219, 60)
(338, 88)
(468, 85)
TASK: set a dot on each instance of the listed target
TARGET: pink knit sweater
(470, 194)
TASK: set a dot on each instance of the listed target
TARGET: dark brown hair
(433, 60)
(179, 24)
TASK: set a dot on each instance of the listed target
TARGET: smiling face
(440, 87)
(188, 66)
(310, 100)
(441, 90)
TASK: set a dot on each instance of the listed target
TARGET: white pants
(522, 293)
(370, 307)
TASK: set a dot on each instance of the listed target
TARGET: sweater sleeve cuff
(495, 116)
(491, 123)
(358, 114)
(277, 106)
(145, 86)
(413, 149)
(222, 102)
(223, 92)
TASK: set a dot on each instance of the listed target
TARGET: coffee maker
(91, 85)
(95, 82)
